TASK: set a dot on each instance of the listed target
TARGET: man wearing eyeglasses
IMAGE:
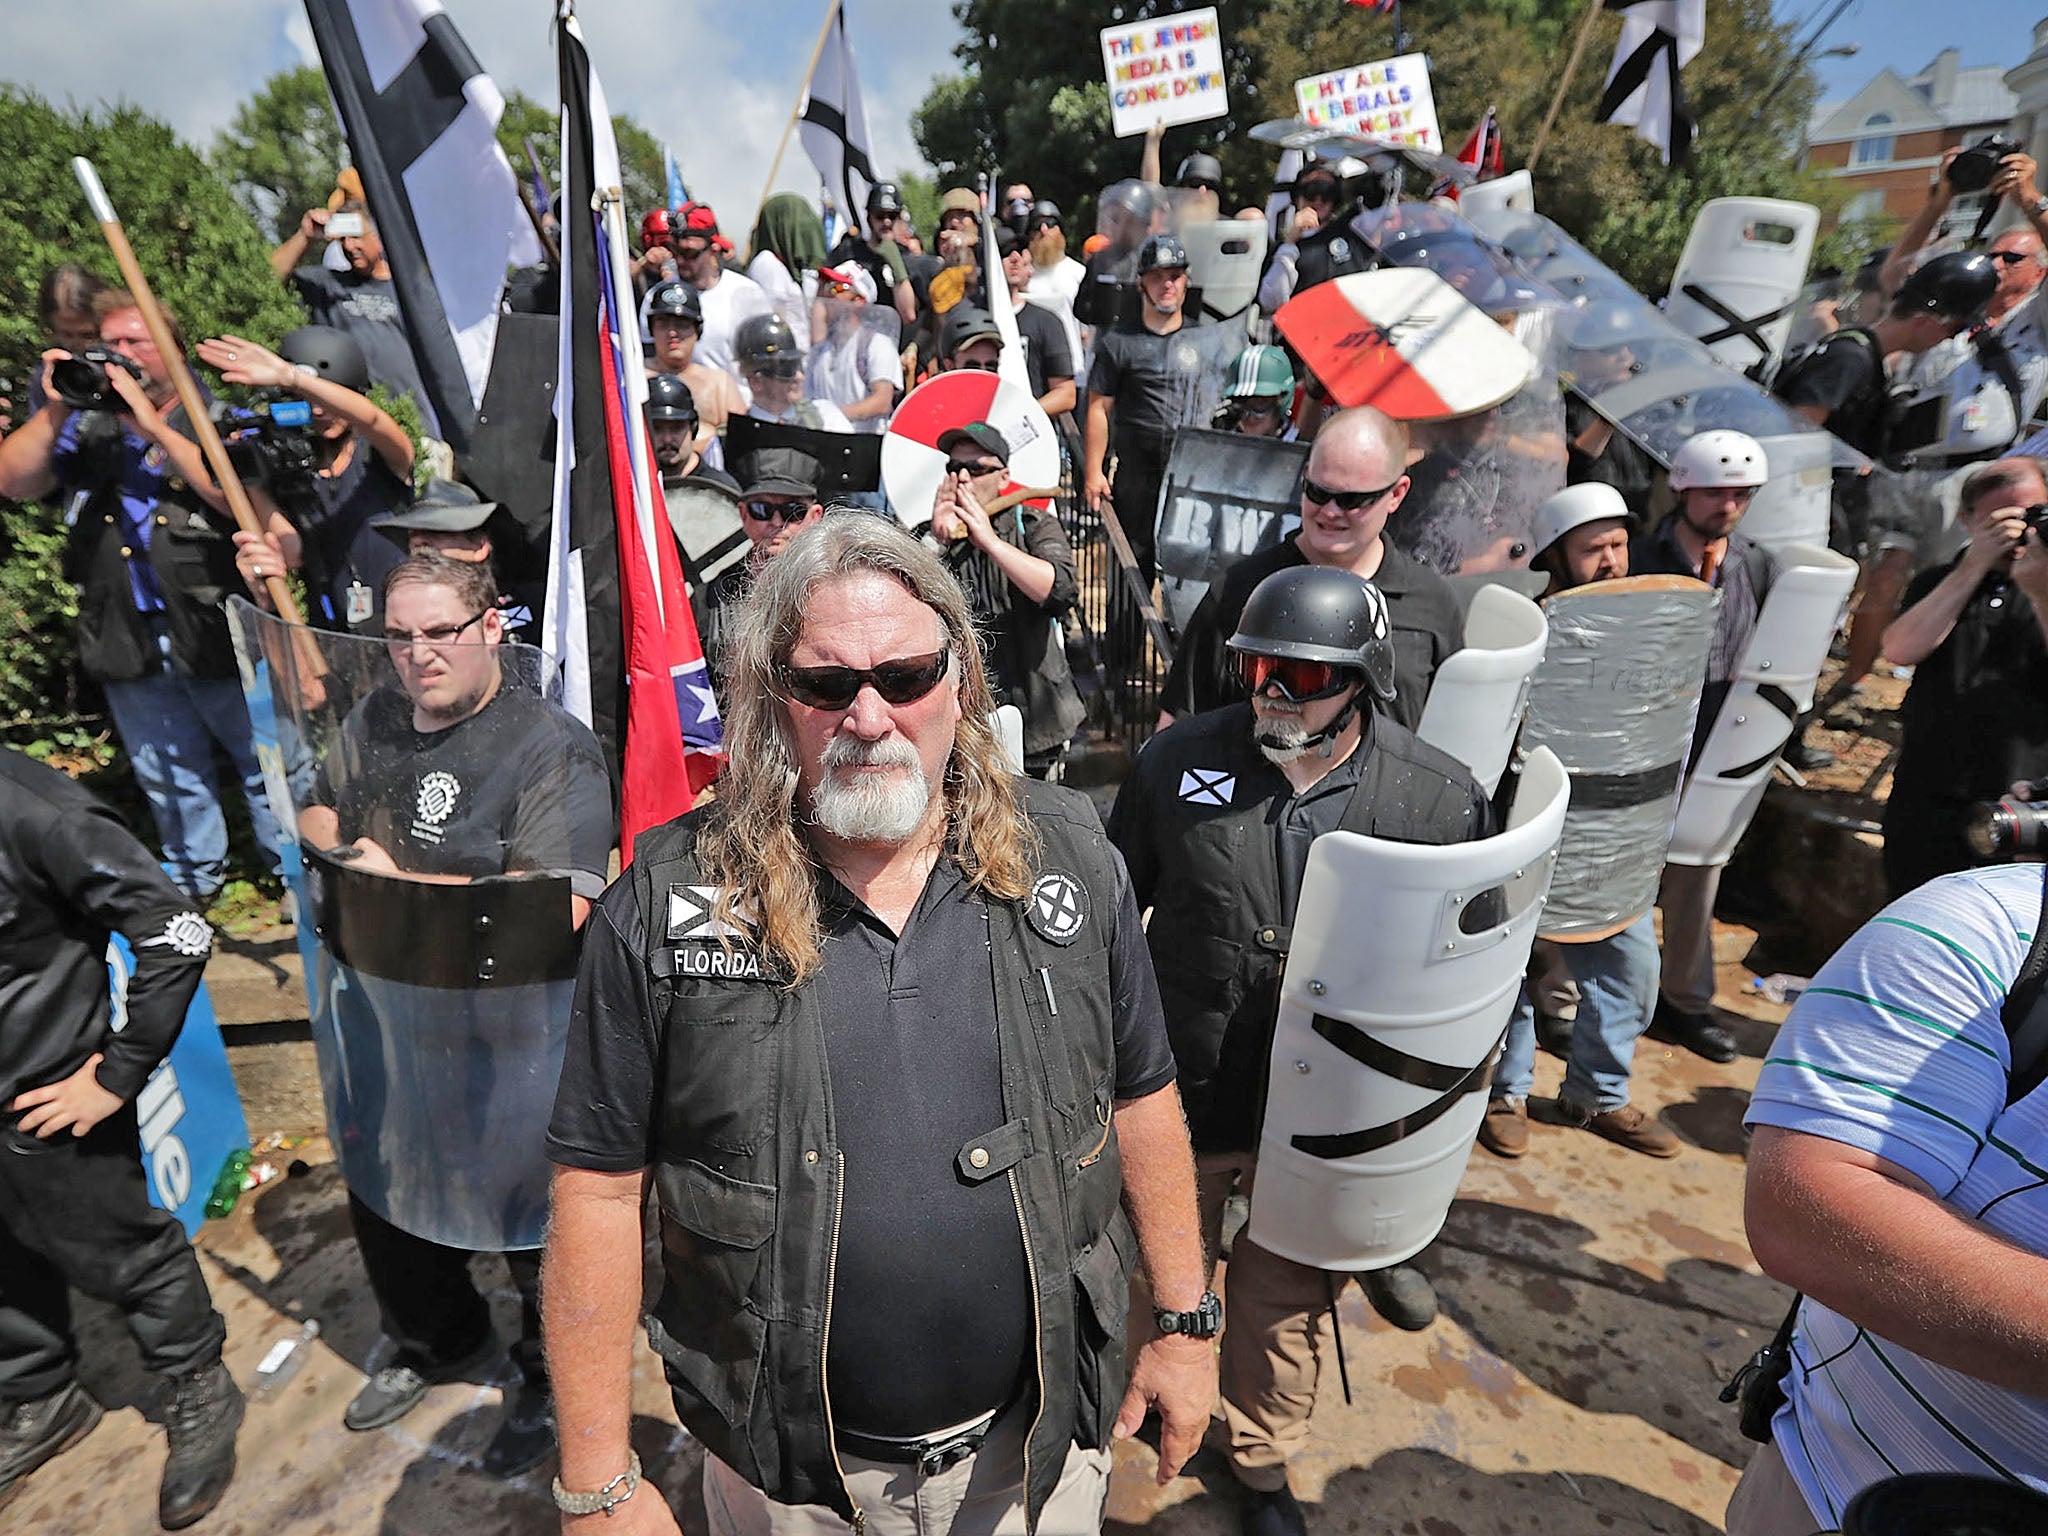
(1356, 480)
(1215, 823)
(879, 1027)
(450, 777)
(778, 499)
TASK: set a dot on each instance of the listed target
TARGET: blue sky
(718, 77)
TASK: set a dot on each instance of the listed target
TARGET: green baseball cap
(1260, 371)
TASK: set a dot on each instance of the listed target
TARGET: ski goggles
(1298, 681)
(1349, 501)
(904, 680)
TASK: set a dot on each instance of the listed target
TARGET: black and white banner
(1658, 39)
(835, 126)
(421, 117)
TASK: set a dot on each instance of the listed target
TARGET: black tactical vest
(1221, 923)
(749, 1173)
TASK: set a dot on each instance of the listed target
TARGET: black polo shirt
(1428, 626)
(931, 1302)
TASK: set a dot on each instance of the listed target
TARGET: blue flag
(678, 194)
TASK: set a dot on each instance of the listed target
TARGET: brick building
(1884, 143)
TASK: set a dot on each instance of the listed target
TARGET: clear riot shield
(1226, 256)
(854, 346)
(1476, 699)
(1224, 496)
(1739, 278)
(1614, 698)
(1401, 974)
(432, 875)
(1659, 386)
(1773, 687)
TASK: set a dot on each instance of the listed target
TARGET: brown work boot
(1505, 1130)
(1626, 1126)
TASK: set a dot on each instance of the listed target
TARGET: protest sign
(1387, 100)
(1166, 70)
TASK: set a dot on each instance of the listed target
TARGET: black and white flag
(835, 125)
(1658, 39)
(421, 118)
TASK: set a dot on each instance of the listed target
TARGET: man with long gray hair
(880, 1026)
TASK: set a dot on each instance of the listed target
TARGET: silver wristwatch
(615, 1492)
(2038, 206)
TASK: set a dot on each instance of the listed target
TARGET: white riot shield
(1400, 977)
(1225, 258)
(1514, 190)
(1008, 725)
(705, 518)
(1792, 507)
(1476, 700)
(1740, 276)
(1615, 698)
(1772, 689)
(439, 1011)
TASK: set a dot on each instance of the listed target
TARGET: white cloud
(716, 78)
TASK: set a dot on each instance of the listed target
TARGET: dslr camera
(81, 380)
(272, 444)
(1972, 170)
(2011, 828)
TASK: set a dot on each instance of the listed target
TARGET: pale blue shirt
(1898, 1050)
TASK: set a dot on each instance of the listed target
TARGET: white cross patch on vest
(689, 914)
(1207, 786)
(1058, 908)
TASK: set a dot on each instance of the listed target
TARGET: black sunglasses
(978, 468)
(902, 681)
(1349, 501)
(989, 365)
(1201, 186)
(762, 510)
(779, 368)
(2010, 258)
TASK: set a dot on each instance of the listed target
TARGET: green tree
(640, 159)
(283, 150)
(204, 257)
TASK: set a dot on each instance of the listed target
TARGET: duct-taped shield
(1615, 698)
(1477, 697)
(439, 995)
(1402, 971)
(1773, 686)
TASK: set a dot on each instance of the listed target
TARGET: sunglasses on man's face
(976, 468)
(2011, 258)
(1294, 679)
(1348, 501)
(780, 368)
(904, 680)
(982, 365)
(764, 510)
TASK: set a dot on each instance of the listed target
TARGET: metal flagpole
(818, 52)
(1564, 81)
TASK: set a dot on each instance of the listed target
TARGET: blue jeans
(1617, 980)
(169, 724)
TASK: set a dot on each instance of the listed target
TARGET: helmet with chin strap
(1321, 613)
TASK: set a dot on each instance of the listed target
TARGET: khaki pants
(1276, 1332)
(982, 1496)
(1767, 1502)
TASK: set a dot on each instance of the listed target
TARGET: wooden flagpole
(775, 165)
(1571, 68)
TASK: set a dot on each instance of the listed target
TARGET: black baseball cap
(778, 472)
(979, 433)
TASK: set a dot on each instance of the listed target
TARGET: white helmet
(1715, 460)
(1573, 507)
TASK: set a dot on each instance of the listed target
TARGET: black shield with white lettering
(438, 837)
(1225, 495)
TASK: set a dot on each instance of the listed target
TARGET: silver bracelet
(606, 1498)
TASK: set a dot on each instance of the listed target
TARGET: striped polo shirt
(1898, 1049)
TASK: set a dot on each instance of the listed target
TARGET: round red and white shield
(912, 464)
(1404, 340)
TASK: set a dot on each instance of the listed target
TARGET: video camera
(272, 444)
(81, 381)
(2011, 828)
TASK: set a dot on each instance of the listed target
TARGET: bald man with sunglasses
(1355, 483)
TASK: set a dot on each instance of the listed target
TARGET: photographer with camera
(1975, 632)
(153, 563)
(317, 475)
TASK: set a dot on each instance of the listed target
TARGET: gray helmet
(883, 197)
(1162, 253)
(669, 399)
(1956, 286)
(765, 338)
(1320, 613)
(678, 299)
(1198, 169)
(334, 354)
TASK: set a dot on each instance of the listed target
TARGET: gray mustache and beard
(885, 809)
(1281, 740)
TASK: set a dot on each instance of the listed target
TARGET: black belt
(930, 1454)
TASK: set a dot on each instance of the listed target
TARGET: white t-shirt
(842, 372)
(784, 291)
(726, 303)
(1054, 288)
